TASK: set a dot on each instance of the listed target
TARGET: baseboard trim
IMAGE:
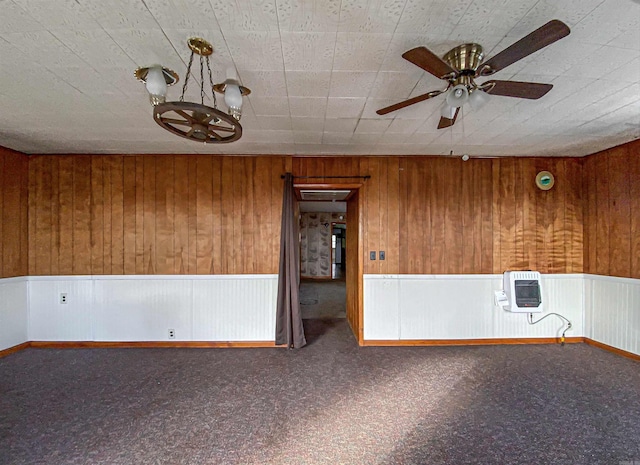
(469, 342)
(11, 350)
(615, 350)
(152, 344)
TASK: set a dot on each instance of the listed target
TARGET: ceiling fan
(462, 64)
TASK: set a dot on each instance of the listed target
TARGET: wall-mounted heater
(521, 292)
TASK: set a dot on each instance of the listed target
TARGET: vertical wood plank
(181, 215)
(620, 212)
(65, 222)
(601, 167)
(634, 195)
(149, 219)
(263, 217)
(193, 216)
(236, 242)
(204, 215)
(164, 214)
(247, 227)
(130, 216)
(393, 225)
(141, 267)
(116, 167)
(82, 215)
(453, 222)
(96, 215)
(574, 217)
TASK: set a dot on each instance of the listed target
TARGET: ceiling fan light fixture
(447, 111)
(458, 95)
(478, 98)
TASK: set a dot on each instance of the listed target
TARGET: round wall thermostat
(545, 180)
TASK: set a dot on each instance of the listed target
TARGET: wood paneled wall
(162, 214)
(612, 211)
(13, 213)
(435, 215)
(172, 214)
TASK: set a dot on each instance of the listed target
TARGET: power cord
(531, 322)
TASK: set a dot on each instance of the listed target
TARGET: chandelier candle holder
(197, 121)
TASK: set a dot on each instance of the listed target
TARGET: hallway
(323, 299)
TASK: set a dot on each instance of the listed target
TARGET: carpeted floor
(323, 299)
(331, 402)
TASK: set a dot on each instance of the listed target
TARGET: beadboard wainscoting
(449, 307)
(612, 311)
(14, 310)
(225, 308)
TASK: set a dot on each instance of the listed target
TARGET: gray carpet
(331, 402)
(320, 299)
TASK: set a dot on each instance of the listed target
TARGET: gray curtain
(289, 329)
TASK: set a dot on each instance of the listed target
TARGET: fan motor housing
(465, 58)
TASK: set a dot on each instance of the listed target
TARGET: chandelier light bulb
(156, 85)
(233, 99)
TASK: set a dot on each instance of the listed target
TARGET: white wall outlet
(172, 334)
(63, 297)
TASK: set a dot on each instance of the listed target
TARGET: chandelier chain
(186, 78)
(201, 79)
(213, 92)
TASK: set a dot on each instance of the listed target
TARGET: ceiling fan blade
(448, 122)
(406, 103)
(545, 35)
(430, 62)
(530, 90)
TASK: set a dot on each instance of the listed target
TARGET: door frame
(354, 254)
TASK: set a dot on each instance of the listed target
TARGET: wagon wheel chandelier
(195, 121)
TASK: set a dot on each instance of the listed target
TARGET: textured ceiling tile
(95, 47)
(183, 14)
(220, 60)
(307, 106)
(345, 107)
(256, 15)
(393, 85)
(147, 46)
(307, 137)
(404, 126)
(269, 106)
(308, 51)
(359, 51)
(17, 19)
(307, 124)
(308, 83)
(275, 123)
(336, 137)
(308, 15)
(264, 83)
(50, 52)
(372, 126)
(121, 14)
(370, 15)
(351, 84)
(340, 124)
(434, 17)
(64, 14)
(256, 50)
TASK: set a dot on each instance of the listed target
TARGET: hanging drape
(289, 329)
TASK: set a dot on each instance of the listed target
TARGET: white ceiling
(318, 70)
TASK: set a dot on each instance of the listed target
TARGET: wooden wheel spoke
(213, 134)
(185, 115)
(216, 127)
(176, 121)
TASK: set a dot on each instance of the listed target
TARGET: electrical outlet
(63, 297)
(381, 254)
(372, 255)
(172, 334)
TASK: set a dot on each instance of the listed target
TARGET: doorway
(345, 263)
